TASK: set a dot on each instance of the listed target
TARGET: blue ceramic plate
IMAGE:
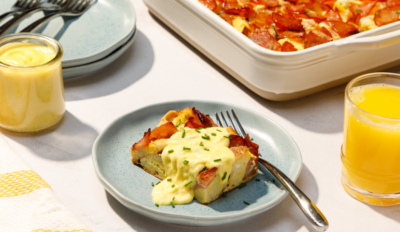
(131, 185)
(103, 28)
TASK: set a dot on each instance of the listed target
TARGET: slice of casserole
(194, 158)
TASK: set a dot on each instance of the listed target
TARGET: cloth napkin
(27, 203)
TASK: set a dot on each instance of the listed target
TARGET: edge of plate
(182, 219)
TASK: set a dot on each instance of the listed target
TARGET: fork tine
(87, 2)
(20, 3)
(233, 124)
(239, 124)
(223, 118)
(218, 120)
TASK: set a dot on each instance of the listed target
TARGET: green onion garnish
(188, 183)
(242, 185)
(223, 178)
(224, 195)
(275, 31)
(157, 205)
(216, 160)
(205, 169)
(169, 179)
(273, 180)
(197, 131)
(213, 134)
(247, 203)
(179, 123)
(397, 12)
(170, 151)
(270, 48)
(201, 128)
(187, 148)
(158, 182)
(201, 143)
(252, 139)
(207, 150)
(152, 184)
(228, 137)
(210, 125)
(206, 137)
(377, 13)
(183, 133)
(185, 161)
(219, 130)
(258, 180)
(359, 10)
(173, 198)
(172, 186)
(172, 204)
(249, 148)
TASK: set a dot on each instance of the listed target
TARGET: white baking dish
(275, 75)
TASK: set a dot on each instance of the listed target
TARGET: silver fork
(71, 8)
(53, 5)
(20, 6)
(308, 207)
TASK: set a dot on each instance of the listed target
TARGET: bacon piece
(343, 29)
(265, 39)
(332, 15)
(237, 140)
(385, 16)
(286, 22)
(392, 3)
(291, 34)
(243, 11)
(205, 178)
(270, 3)
(313, 39)
(199, 120)
(230, 4)
(326, 32)
(288, 47)
(296, 9)
(144, 142)
(210, 4)
(362, 10)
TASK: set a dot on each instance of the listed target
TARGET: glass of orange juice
(371, 146)
(31, 83)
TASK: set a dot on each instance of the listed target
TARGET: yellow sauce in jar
(31, 87)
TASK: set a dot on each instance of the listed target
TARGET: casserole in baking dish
(275, 75)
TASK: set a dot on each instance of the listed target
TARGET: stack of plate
(92, 41)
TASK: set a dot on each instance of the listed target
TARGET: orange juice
(371, 149)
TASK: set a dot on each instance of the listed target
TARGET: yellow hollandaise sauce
(371, 148)
(188, 153)
(31, 88)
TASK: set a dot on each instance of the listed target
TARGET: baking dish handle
(361, 44)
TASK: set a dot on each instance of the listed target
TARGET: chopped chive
(188, 183)
(198, 131)
(258, 180)
(249, 148)
(207, 150)
(170, 151)
(172, 186)
(173, 198)
(152, 184)
(169, 179)
(359, 10)
(213, 134)
(223, 178)
(252, 139)
(237, 145)
(219, 130)
(275, 30)
(157, 205)
(201, 128)
(179, 123)
(397, 12)
(158, 182)
(205, 169)
(377, 13)
(224, 195)
(185, 161)
(172, 204)
(206, 138)
(187, 148)
(347, 7)
(267, 26)
(242, 186)
(183, 133)
(216, 160)
(270, 48)
(301, 2)
(228, 137)
(201, 143)
(247, 203)
(273, 180)
(210, 125)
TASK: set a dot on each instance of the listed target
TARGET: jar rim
(367, 76)
(51, 41)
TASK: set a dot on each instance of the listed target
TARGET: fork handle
(5, 15)
(40, 22)
(17, 19)
(308, 207)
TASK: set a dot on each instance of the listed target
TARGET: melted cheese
(296, 42)
(335, 35)
(180, 188)
(344, 8)
(240, 23)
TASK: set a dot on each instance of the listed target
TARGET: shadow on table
(115, 77)
(286, 216)
(392, 212)
(70, 139)
(319, 112)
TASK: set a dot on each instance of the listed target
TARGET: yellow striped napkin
(27, 203)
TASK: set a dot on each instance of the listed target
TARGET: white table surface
(160, 66)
